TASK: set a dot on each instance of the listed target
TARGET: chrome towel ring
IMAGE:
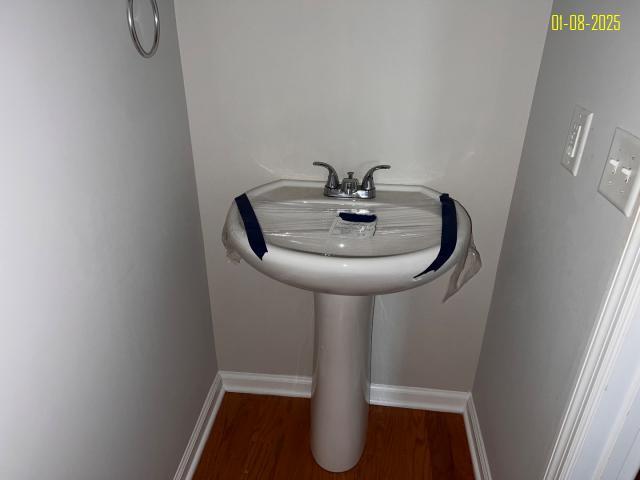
(134, 33)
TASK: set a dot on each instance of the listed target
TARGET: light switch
(577, 139)
(619, 182)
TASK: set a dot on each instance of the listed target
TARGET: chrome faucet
(350, 187)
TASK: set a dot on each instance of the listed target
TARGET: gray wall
(562, 244)
(106, 348)
(441, 90)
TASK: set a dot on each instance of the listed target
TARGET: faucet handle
(367, 180)
(332, 180)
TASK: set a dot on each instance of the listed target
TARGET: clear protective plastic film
(464, 271)
(298, 220)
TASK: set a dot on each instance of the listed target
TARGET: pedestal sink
(306, 248)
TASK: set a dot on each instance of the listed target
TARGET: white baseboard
(265, 384)
(476, 442)
(387, 395)
(419, 398)
(200, 433)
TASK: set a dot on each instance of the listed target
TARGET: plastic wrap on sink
(232, 254)
(410, 222)
(465, 270)
(407, 226)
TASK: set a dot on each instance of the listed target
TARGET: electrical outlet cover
(619, 182)
(577, 139)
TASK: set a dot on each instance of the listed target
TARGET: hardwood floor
(267, 437)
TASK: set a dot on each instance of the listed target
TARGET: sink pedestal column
(341, 379)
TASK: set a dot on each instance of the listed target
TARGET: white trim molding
(603, 349)
(198, 439)
(385, 395)
(265, 384)
(418, 398)
(476, 442)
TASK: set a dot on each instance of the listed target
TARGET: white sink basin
(345, 265)
(296, 220)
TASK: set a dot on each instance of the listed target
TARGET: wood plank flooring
(267, 437)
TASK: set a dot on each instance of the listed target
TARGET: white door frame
(621, 457)
(619, 309)
(616, 421)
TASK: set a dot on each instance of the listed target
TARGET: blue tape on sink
(357, 217)
(449, 236)
(251, 226)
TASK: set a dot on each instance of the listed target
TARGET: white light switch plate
(577, 139)
(619, 182)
